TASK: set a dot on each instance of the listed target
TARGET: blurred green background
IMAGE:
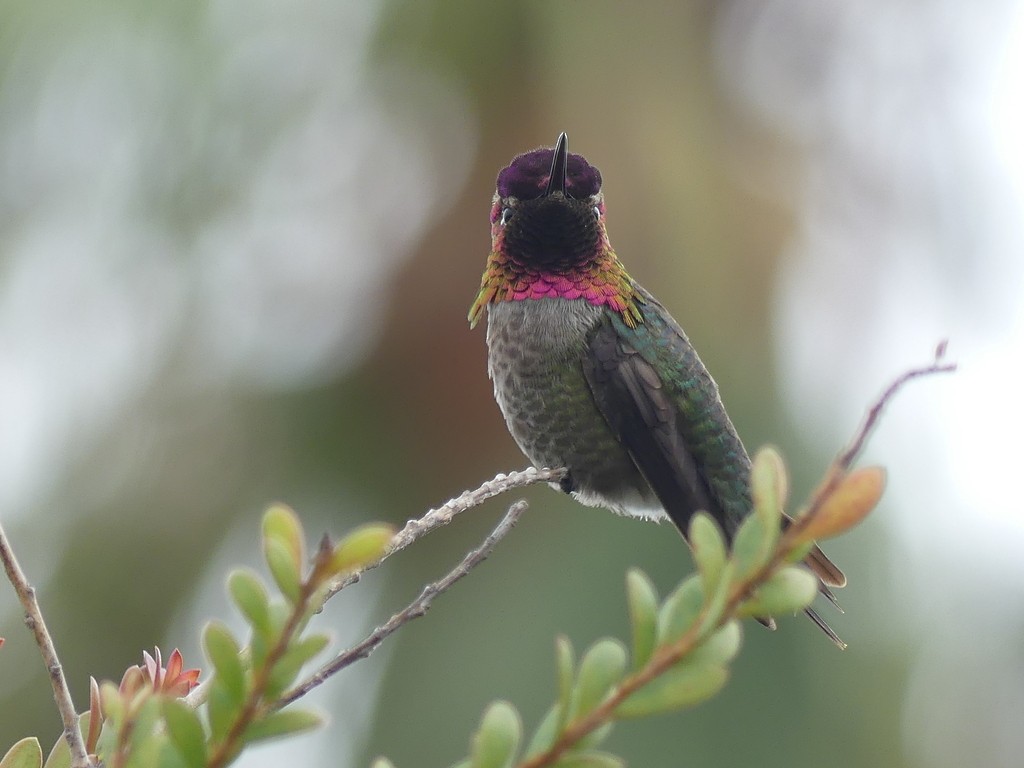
(238, 241)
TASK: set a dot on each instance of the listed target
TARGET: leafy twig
(227, 749)
(665, 657)
(34, 621)
(413, 611)
(417, 528)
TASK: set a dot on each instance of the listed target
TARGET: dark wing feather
(663, 406)
(640, 408)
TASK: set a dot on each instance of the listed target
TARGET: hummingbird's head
(548, 210)
(548, 238)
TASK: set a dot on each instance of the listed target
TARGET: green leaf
(601, 668)
(791, 589)
(753, 545)
(287, 575)
(496, 741)
(547, 732)
(259, 647)
(26, 753)
(144, 744)
(364, 546)
(113, 709)
(681, 686)
(642, 599)
(714, 605)
(284, 722)
(591, 760)
(680, 610)
(281, 524)
(291, 662)
(223, 652)
(221, 710)
(60, 755)
(849, 503)
(720, 648)
(769, 486)
(250, 595)
(146, 752)
(168, 756)
(186, 732)
(595, 737)
(260, 644)
(709, 549)
(565, 662)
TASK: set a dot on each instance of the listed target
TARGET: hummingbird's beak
(556, 182)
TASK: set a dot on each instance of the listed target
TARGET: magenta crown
(528, 175)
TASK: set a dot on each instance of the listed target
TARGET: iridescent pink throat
(601, 282)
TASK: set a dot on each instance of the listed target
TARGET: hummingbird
(592, 373)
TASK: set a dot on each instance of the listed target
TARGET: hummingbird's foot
(567, 484)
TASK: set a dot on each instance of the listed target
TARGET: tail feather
(829, 575)
(823, 625)
(825, 569)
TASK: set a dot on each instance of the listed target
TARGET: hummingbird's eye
(597, 213)
(506, 214)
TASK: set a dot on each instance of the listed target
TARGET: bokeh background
(238, 241)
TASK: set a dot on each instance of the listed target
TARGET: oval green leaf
(680, 610)
(364, 546)
(681, 686)
(769, 485)
(601, 668)
(221, 709)
(547, 732)
(709, 549)
(496, 741)
(642, 600)
(565, 669)
(285, 722)
(281, 524)
(225, 654)
(60, 755)
(753, 545)
(250, 595)
(287, 575)
(789, 590)
(186, 732)
(720, 648)
(287, 668)
(26, 753)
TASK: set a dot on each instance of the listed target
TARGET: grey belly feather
(535, 352)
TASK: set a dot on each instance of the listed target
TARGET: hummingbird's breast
(535, 359)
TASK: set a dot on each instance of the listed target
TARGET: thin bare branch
(414, 610)
(416, 529)
(849, 454)
(34, 621)
(844, 461)
(441, 516)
